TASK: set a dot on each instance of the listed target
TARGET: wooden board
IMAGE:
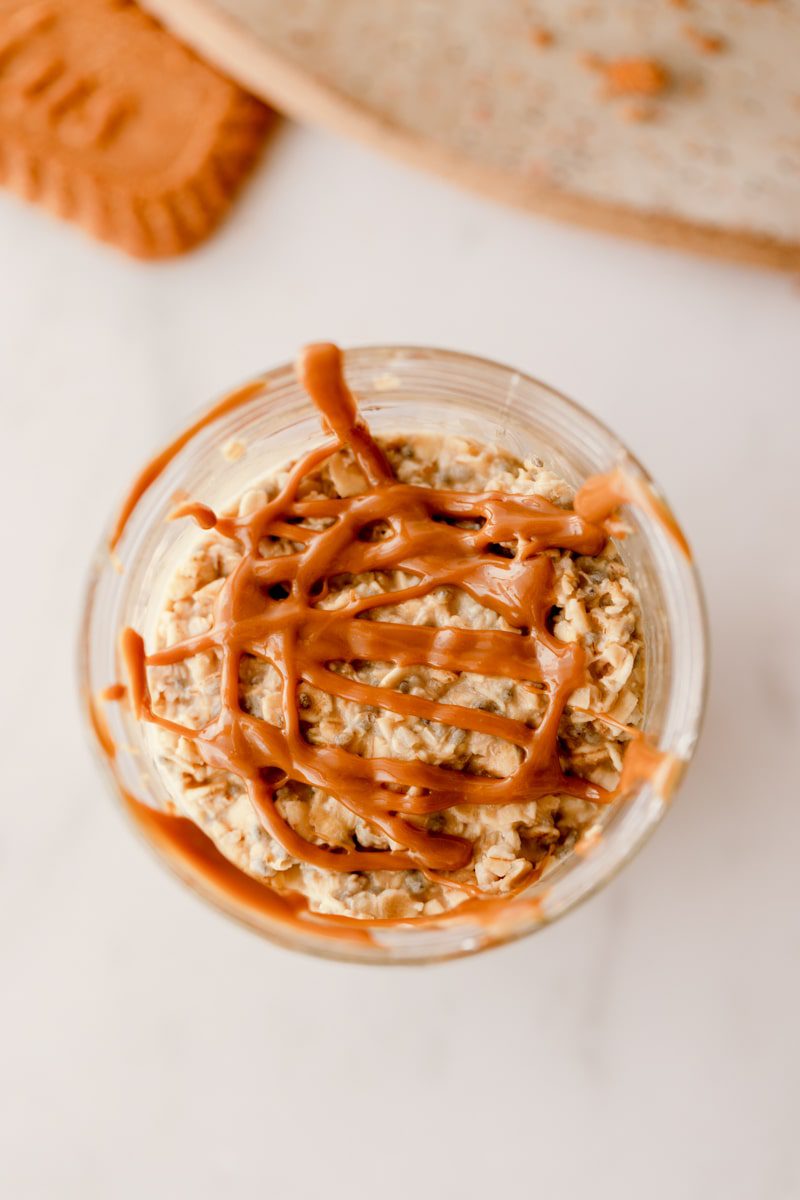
(673, 120)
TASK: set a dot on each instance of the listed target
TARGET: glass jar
(416, 389)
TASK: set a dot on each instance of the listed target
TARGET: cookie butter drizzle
(301, 641)
(150, 473)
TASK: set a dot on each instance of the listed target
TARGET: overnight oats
(396, 691)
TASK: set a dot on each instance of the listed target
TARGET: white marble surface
(645, 1047)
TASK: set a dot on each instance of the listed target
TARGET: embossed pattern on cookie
(107, 121)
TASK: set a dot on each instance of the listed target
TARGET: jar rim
(447, 366)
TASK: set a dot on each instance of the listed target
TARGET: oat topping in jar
(402, 674)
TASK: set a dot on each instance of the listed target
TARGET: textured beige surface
(466, 86)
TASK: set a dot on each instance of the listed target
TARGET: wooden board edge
(230, 46)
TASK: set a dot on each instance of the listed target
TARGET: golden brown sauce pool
(285, 626)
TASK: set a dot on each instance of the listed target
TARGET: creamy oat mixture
(595, 604)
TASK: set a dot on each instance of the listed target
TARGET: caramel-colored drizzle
(157, 465)
(602, 495)
(198, 861)
(268, 608)
(194, 857)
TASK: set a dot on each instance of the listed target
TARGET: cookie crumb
(538, 36)
(638, 114)
(233, 450)
(592, 62)
(708, 43)
(630, 76)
